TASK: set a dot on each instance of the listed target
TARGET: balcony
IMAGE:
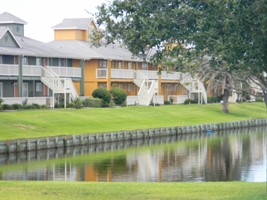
(35, 71)
(122, 74)
(67, 72)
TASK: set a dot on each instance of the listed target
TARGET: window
(1, 59)
(38, 87)
(119, 65)
(31, 60)
(102, 85)
(38, 61)
(24, 61)
(62, 62)
(1, 89)
(144, 66)
(25, 90)
(103, 64)
(113, 64)
(130, 87)
(8, 59)
(129, 65)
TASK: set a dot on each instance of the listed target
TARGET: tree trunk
(265, 100)
(225, 101)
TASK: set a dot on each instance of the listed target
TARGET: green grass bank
(10, 190)
(43, 123)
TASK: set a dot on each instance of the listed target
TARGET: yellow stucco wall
(70, 35)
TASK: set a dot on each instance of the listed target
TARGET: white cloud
(42, 15)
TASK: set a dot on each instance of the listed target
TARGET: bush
(214, 99)
(7, 107)
(102, 94)
(78, 103)
(118, 95)
(259, 99)
(1, 101)
(190, 101)
(167, 103)
(17, 106)
(92, 102)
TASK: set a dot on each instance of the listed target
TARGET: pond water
(238, 155)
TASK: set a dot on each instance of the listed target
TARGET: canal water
(237, 155)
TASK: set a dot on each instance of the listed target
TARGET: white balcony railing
(171, 75)
(152, 75)
(122, 74)
(33, 70)
(29, 70)
(68, 72)
(9, 70)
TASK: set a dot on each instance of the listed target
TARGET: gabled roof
(7, 18)
(76, 23)
(85, 50)
(4, 30)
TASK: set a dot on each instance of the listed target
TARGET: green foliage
(167, 103)
(7, 107)
(78, 103)
(92, 102)
(190, 101)
(214, 99)
(102, 94)
(231, 34)
(118, 95)
(259, 99)
(17, 106)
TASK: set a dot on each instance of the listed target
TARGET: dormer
(75, 29)
(13, 23)
(7, 39)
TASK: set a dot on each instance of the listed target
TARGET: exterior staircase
(195, 86)
(147, 88)
(58, 84)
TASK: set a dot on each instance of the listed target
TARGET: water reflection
(225, 156)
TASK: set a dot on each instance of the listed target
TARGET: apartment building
(70, 66)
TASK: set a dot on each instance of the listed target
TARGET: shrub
(214, 99)
(102, 94)
(6, 107)
(17, 106)
(259, 99)
(1, 101)
(92, 102)
(167, 103)
(78, 103)
(118, 95)
(190, 101)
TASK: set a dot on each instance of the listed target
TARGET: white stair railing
(70, 88)
(58, 85)
(194, 85)
(147, 90)
(52, 80)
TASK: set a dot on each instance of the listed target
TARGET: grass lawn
(41, 123)
(10, 190)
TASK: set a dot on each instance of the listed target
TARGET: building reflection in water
(240, 155)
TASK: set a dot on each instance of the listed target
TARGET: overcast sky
(42, 15)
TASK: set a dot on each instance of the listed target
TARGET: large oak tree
(232, 32)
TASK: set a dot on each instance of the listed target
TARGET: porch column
(159, 80)
(20, 80)
(82, 78)
(109, 74)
